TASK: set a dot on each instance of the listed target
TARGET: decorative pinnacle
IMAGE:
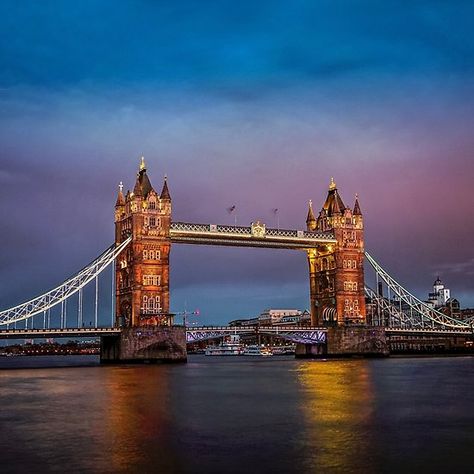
(166, 177)
(121, 186)
(142, 164)
(310, 203)
(357, 195)
(332, 185)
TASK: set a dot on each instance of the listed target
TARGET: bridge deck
(221, 330)
(252, 236)
(428, 331)
(57, 333)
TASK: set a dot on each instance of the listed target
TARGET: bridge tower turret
(142, 270)
(337, 271)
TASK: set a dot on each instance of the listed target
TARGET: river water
(237, 415)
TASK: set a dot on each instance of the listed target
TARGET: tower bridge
(347, 315)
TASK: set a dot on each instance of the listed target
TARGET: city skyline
(246, 114)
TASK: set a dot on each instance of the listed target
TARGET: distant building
(302, 318)
(453, 308)
(467, 314)
(244, 322)
(439, 296)
(276, 317)
(269, 317)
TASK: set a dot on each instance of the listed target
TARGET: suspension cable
(434, 316)
(71, 286)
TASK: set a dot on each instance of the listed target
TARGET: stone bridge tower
(142, 269)
(337, 271)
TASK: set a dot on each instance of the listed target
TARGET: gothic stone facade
(142, 269)
(337, 271)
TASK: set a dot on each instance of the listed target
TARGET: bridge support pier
(348, 341)
(145, 344)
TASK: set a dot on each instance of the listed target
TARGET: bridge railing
(229, 230)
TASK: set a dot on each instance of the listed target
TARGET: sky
(252, 104)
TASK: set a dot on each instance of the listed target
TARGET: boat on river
(229, 347)
(259, 351)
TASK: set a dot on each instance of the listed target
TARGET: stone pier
(348, 341)
(145, 344)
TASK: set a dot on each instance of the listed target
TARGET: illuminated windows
(153, 280)
(150, 304)
(349, 264)
(154, 222)
(351, 307)
(150, 254)
(350, 286)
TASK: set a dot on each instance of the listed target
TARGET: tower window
(154, 280)
(350, 286)
(152, 205)
(149, 254)
(152, 221)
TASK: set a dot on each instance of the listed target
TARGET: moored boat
(255, 350)
(230, 347)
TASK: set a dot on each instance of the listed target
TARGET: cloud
(252, 105)
(465, 268)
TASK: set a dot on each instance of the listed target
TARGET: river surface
(237, 415)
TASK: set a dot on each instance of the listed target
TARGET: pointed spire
(142, 185)
(333, 204)
(337, 206)
(357, 211)
(310, 219)
(120, 197)
(165, 193)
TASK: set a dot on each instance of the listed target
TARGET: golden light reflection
(137, 418)
(337, 401)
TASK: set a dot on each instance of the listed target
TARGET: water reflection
(137, 419)
(102, 419)
(337, 401)
(237, 415)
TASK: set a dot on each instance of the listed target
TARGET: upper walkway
(256, 235)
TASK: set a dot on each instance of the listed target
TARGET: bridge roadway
(195, 334)
(57, 333)
(256, 235)
(305, 335)
(427, 331)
